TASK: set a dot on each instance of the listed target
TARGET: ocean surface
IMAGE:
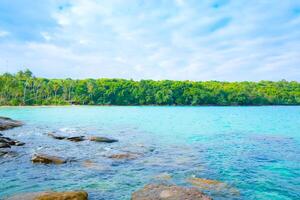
(253, 152)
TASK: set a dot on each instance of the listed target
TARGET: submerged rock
(218, 186)
(68, 195)
(168, 192)
(46, 159)
(123, 156)
(102, 139)
(7, 123)
(163, 176)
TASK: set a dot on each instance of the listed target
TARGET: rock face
(46, 159)
(168, 192)
(102, 139)
(7, 123)
(68, 195)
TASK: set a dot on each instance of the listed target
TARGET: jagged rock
(76, 138)
(102, 139)
(168, 192)
(68, 195)
(4, 145)
(7, 123)
(46, 159)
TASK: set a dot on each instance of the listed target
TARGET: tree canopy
(25, 89)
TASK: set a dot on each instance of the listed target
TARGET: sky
(225, 40)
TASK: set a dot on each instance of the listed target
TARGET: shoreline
(36, 106)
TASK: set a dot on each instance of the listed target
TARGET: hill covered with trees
(25, 89)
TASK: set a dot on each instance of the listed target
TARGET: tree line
(23, 88)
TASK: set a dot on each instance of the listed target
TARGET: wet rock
(3, 153)
(76, 138)
(102, 139)
(4, 145)
(168, 192)
(47, 159)
(68, 195)
(7, 123)
(58, 137)
(11, 142)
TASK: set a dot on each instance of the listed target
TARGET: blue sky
(142, 39)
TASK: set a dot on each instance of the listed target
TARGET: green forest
(23, 88)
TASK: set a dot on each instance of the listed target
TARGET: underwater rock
(207, 184)
(94, 166)
(102, 139)
(123, 156)
(163, 176)
(168, 192)
(7, 123)
(46, 159)
(68, 195)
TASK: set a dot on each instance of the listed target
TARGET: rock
(58, 137)
(10, 141)
(4, 145)
(46, 159)
(102, 139)
(7, 123)
(163, 176)
(76, 138)
(68, 195)
(94, 166)
(2, 153)
(207, 184)
(123, 156)
(168, 192)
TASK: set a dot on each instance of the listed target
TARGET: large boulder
(47, 159)
(102, 139)
(7, 123)
(68, 195)
(73, 139)
(168, 192)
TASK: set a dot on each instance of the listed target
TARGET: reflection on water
(227, 152)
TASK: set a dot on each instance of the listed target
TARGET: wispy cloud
(180, 39)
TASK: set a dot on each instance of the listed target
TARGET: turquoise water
(255, 151)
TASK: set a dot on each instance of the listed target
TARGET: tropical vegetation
(23, 88)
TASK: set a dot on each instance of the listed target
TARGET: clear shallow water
(254, 150)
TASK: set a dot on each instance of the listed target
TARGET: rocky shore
(148, 192)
